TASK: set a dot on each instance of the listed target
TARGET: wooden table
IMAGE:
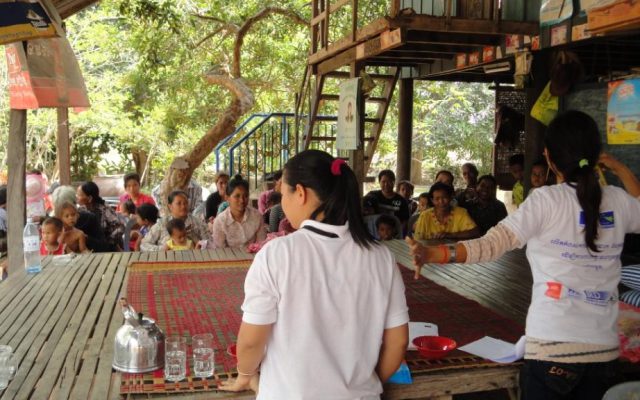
(62, 321)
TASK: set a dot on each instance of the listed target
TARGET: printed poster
(45, 74)
(623, 112)
(24, 20)
(348, 137)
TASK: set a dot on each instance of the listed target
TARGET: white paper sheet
(496, 350)
(420, 329)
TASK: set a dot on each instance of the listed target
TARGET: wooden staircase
(318, 104)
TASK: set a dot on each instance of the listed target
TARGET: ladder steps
(333, 138)
(335, 97)
(345, 75)
(335, 118)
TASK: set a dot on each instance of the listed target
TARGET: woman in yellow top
(443, 221)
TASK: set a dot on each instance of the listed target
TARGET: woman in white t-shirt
(574, 232)
(324, 315)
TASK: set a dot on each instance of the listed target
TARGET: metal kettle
(139, 343)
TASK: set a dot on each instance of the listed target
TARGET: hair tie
(583, 163)
(335, 166)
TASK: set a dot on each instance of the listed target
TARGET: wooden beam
(16, 191)
(452, 39)
(430, 23)
(63, 147)
(356, 157)
(386, 41)
(405, 129)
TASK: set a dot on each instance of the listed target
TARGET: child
(423, 202)
(146, 217)
(51, 244)
(73, 238)
(129, 208)
(538, 175)
(516, 167)
(386, 227)
(405, 189)
(178, 232)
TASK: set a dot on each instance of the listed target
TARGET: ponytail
(573, 144)
(336, 186)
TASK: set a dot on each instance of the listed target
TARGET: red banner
(45, 75)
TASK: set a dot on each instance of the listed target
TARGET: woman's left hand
(241, 383)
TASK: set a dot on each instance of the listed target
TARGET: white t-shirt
(329, 301)
(574, 296)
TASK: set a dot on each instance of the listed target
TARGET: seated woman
(470, 176)
(133, 193)
(216, 198)
(87, 221)
(178, 204)
(239, 224)
(88, 197)
(444, 221)
(486, 211)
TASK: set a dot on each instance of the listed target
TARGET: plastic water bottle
(31, 241)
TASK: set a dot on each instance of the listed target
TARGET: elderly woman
(88, 197)
(444, 221)
(158, 235)
(469, 193)
(240, 224)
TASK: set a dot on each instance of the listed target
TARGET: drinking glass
(175, 358)
(203, 361)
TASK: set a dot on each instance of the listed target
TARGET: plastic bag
(546, 107)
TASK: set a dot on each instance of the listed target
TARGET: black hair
(176, 193)
(388, 173)
(387, 220)
(56, 222)
(130, 176)
(339, 195)
(444, 171)
(489, 178)
(3, 195)
(129, 206)
(573, 145)
(516, 159)
(448, 189)
(472, 168)
(424, 195)
(237, 181)
(148, 211)
(175, 224)
(277, 175)
(91, 189)
(540, 163)
(274, 197)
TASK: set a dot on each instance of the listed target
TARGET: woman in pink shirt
(133, 193)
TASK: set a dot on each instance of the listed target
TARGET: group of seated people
(443, 212)
(81, 221)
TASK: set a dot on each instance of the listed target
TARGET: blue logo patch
(606, 219)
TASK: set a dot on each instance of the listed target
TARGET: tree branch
(244, 29)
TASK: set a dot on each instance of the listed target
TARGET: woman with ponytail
(326, 302)
(574, 232)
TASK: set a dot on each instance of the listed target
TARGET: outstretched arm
(629, 180)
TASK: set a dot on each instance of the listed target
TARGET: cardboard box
(623, 15)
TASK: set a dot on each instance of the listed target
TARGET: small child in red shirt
(52, 244)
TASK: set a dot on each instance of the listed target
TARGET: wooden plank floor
(503, 285)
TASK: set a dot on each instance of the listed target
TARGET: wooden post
(16, 191)
(356, 157)
(405, 129)
(534, 129)
(62, 145)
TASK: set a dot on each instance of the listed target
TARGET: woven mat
(186, 298)
(458, 318)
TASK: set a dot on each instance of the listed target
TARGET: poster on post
(44, 74)
(623, 112)
(24, 20)
(347, 137)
